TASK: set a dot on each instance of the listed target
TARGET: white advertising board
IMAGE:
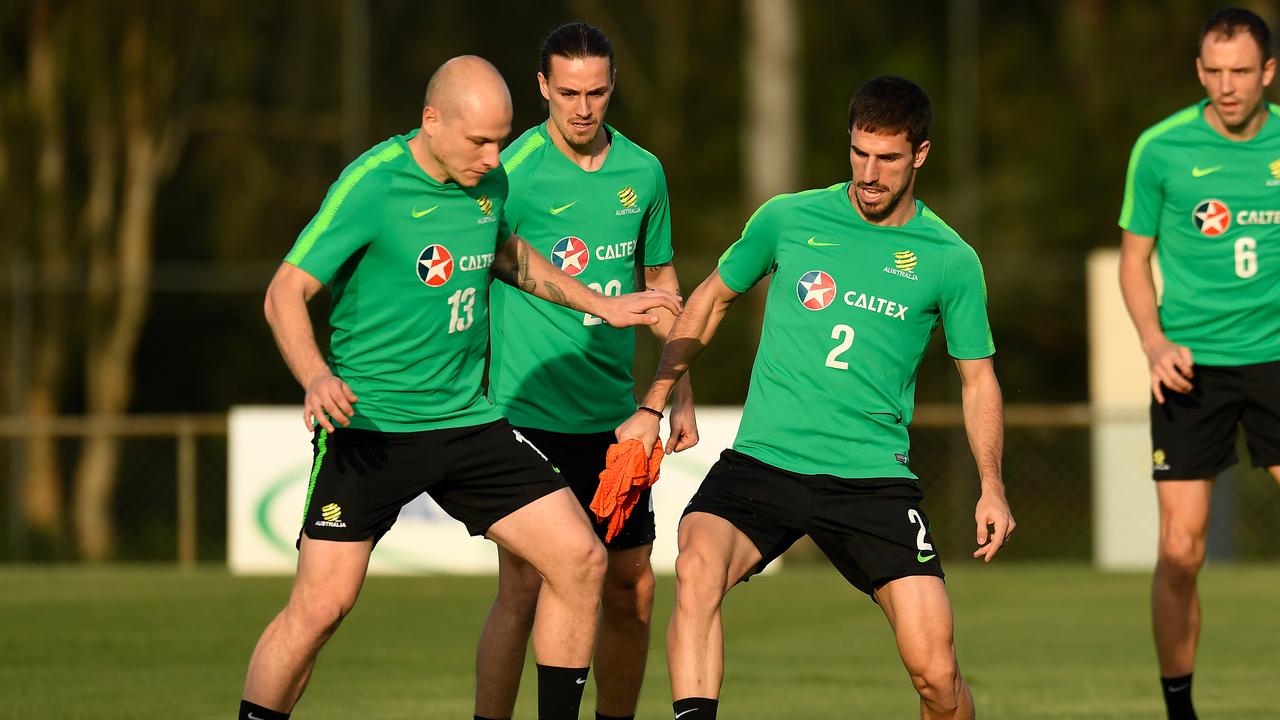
(270, 466)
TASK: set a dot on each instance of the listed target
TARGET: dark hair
(891, 104)
(573, 41)
(1230, 20)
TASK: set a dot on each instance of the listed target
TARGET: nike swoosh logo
(1180, 688)
(581, 681)
(921, 557)
(814, 243)
(1201, 172)
(416, 213)
(685, 712)
(562, 208)
(254, 717)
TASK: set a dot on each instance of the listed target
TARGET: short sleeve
(656, 229)
(348, 220)
(498, 189)
(754, 255)
(1143, 191)
(964, 306)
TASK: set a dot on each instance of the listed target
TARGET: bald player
(408, 239)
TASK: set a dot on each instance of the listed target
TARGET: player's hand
(684, 428)
(634, 308)
(1170, 367)
(641, 426)
(328, 397)
(995, 523)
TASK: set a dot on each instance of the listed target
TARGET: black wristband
(650, 410)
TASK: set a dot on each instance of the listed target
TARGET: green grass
(1035, 641)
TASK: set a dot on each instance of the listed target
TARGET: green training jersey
(1213, 206)
(850, 311)
(407, 260)
(554, 368)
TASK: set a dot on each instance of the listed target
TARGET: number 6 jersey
(1213, 206)
(850, 311)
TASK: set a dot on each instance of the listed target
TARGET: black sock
(481, 717)
(1177, 697)
(560, 692)
(695, 708)
(602, 716)
(250, 711)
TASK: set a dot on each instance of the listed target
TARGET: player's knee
(518, 589)
(938, 682)
(1181, 552)
(581, 563)
(317, 614)
(700, 581)
(630, 595)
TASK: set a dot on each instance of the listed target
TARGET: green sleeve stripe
(330, 209)
(534, 142)
(769, 202)
(322, 447)
(1182, 117)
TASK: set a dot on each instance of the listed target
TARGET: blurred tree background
(157, 159)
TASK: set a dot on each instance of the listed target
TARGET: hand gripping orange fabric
(626, 474)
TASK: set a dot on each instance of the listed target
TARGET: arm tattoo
(556, 295)
(522, 270)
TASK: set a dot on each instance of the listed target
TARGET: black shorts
(580, 457)
(871, 529)
(1193, 435)
(479, 474)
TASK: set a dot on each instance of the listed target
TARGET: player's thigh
(1260, 385)
(549, 533)
(516, 577)
(919, 611)
(1184, 509)
(1193, 435)
(330, 573)
(873, 530)
(744, 515)
(491, 472)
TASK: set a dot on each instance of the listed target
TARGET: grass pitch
(1035, 641)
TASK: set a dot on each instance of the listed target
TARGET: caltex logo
(816, 290)
(570, 255)
(1212, 217)
(435, 265)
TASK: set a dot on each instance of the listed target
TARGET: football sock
(602, 716)
(695, 708)
(560, 692)
(481, 717)
(250, 711)
(1177, 697)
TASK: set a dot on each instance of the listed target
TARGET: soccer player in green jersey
(1201, 191)
(595, 204)
(408, 238)
(862, 274)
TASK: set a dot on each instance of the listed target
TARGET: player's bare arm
(286, 310)
(522, 267)
(691, 333)
(683, 420)
(984, 425)
(1170, 363)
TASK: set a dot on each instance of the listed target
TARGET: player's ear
(430, 121)
(918, 157)
(542, 86)
(1200, 72)
(1268, 71)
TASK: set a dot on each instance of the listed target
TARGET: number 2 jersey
(850, 310)
(1213, 206)
(553, 368)
(407, 261)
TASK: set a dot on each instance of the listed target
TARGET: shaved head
(465, 117)
(467, 83)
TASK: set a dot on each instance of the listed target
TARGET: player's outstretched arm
(984, 424)
(523, 268)
(1170, 363)
(683, 420)
(692, 332)
(286, 310)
